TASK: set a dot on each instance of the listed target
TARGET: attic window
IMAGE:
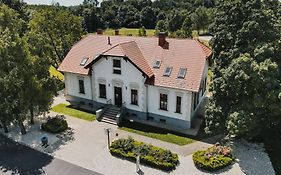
(84, 61)
(182, 73)
(157, 64)
(168, 71)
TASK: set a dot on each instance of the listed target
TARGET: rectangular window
(116, 66)
(157, 64)
(168, 71)
(81, 87)
(162, 120)
(117, 63)
(164, 102)
(84, 61)
(116, 71)
(178, 104)
(134, 97)
(182, 73)
(102, 90)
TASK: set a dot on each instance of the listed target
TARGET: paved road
(19, 159)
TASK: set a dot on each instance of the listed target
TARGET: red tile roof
(131, 51)
(143, 51)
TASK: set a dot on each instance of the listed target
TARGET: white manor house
(154, 80)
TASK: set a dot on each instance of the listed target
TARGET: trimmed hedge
(55, 125)
(213, 158)
(150, 155)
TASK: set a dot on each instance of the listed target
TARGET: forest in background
(178, 18)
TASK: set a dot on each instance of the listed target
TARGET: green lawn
(69, 110)
(135, 32)
(129, 31)
(156, 133)
(53, 71)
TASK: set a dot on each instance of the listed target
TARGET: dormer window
(182, 73)
(116, 66)
(168, 71)
(157, 64)
(84, 61)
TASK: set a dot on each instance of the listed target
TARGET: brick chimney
(162, 39)
(99, 31)
(117, 32)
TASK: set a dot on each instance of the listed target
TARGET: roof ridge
(110, 48)
(127, 43)
(116, 45)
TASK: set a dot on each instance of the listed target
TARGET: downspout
(91, 78)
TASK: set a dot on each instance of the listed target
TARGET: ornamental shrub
(149, 155)
(55, 125)
(213, 158)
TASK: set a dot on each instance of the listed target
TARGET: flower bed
(55, 125)
(149, 155)
(213, 158)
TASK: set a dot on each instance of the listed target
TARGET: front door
(118, 96)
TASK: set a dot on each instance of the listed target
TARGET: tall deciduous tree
(42, 87)
(251, 90)
(53, 32)
(13, 68)
(175, 21)
(201, 19)
(148, 17)
(25, 82)
(246, 83)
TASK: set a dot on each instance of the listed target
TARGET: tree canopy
(246, 84)
(52, 33)
(145, 13)
(25, 83)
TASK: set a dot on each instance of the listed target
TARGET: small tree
(142, 31)
(161, 26)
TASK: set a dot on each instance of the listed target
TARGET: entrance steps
(109, 115)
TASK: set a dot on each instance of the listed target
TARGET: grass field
(127, 31)
(156, 133)
(53, 71)
(149, 33)
(69, 110)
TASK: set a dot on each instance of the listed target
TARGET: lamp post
(107, 131)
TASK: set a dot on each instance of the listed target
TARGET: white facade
(72, 85)
(132, 78)
(154, 102)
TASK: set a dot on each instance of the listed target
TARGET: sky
(49, 2)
